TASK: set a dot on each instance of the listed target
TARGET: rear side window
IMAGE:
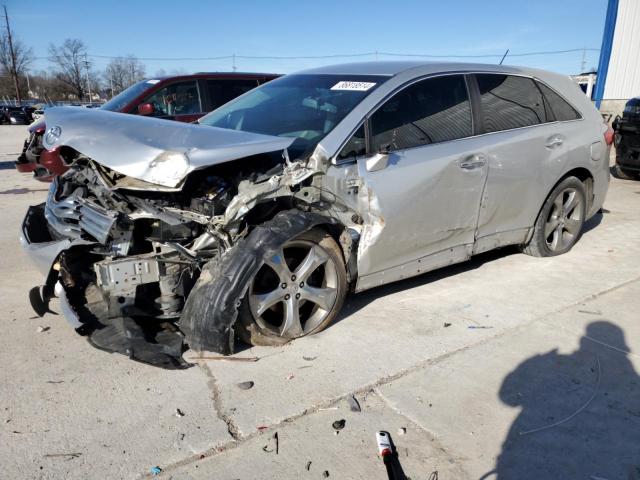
(561, 109)
(222, 91)
(508, 101)
(430, 111)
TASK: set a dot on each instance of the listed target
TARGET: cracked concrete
(444, 384)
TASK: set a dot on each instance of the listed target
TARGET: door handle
(554, 142)
(472, 162)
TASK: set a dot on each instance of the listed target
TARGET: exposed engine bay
(133, 252)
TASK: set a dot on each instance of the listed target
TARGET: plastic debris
(42, 329)
(308, 467)
(179, 413)
(339, 424)
(309, 359)
(246, 385)
(402, 431)
(354, 406)
(477, 327)
(325, 474)
(156, 470)
(446, 324)
(289, 377)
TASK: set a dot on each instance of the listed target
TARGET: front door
(425, 201)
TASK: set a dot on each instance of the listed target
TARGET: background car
(182, 98)
(627, 140)
(15, 116)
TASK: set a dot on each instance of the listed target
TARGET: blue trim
(605, 50)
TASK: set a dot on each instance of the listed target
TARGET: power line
(343, 55)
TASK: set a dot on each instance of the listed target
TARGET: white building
(619, 65)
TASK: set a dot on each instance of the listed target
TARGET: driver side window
(429, 111)
(176, 99)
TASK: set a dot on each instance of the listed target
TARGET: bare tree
(23, 56)
(72, 67)
(121, 72)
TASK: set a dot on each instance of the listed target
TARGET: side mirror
(145, 109)
(377, 162)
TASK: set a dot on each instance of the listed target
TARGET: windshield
(305, 107)
(117, 103)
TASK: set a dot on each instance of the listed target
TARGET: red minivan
(182, 98)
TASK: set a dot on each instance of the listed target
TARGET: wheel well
(586, 178)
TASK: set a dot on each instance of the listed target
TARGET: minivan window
(561, 109)
(121, 100)
(509, 101)
(429, 111)
(221, 91)
(180, 98)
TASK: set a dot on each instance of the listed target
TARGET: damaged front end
(124, 254)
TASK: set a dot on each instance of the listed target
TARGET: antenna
(503, 57)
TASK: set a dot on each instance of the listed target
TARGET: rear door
(427, 196)
(526, 149)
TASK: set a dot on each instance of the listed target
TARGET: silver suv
(258, 220)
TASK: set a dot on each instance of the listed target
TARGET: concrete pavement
(406, 351)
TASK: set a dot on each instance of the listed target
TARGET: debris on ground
(402, 431)
(179, 413)
(477, 327)
(276, 447)
(591, 312)
(325, 474)
(289, 377)
(261, 427)
(227, 359)
(55, 381)
(41, 329)
(339, 424)
(354, 405)
(68, 455)
(246, 385)
(327, 408)
(156, 470)
(446, 324)
(308, 467)
(309, 359)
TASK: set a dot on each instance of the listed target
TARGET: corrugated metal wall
(623, 77)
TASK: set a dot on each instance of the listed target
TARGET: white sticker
(353, 86)
(153, 82)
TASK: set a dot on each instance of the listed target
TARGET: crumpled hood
(153, 150)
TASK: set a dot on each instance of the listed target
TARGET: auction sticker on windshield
(354, 86)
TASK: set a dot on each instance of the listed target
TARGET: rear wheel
(560, 221)
(297, 292)
(625, 174)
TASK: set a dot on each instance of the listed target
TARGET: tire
(309, 269)
(560, 221)
(625, 174)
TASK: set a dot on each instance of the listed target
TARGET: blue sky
(189, 28)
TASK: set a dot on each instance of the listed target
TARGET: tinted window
(222, 91)
(430, 111)
(356, 146)
(559, 106)
(179, 98)
(121, 100)
(509, 102)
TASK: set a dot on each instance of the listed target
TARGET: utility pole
(86, 66)
(234, 63)
(584, 59)
(14, 72)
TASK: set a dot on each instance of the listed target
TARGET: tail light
(608, 135)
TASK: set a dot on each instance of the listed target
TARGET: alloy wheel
(565, 220)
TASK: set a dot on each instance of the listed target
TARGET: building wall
(623, 76)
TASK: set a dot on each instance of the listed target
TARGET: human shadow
(580, 413)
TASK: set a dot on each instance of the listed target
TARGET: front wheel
(560, 221)
(296, 292)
